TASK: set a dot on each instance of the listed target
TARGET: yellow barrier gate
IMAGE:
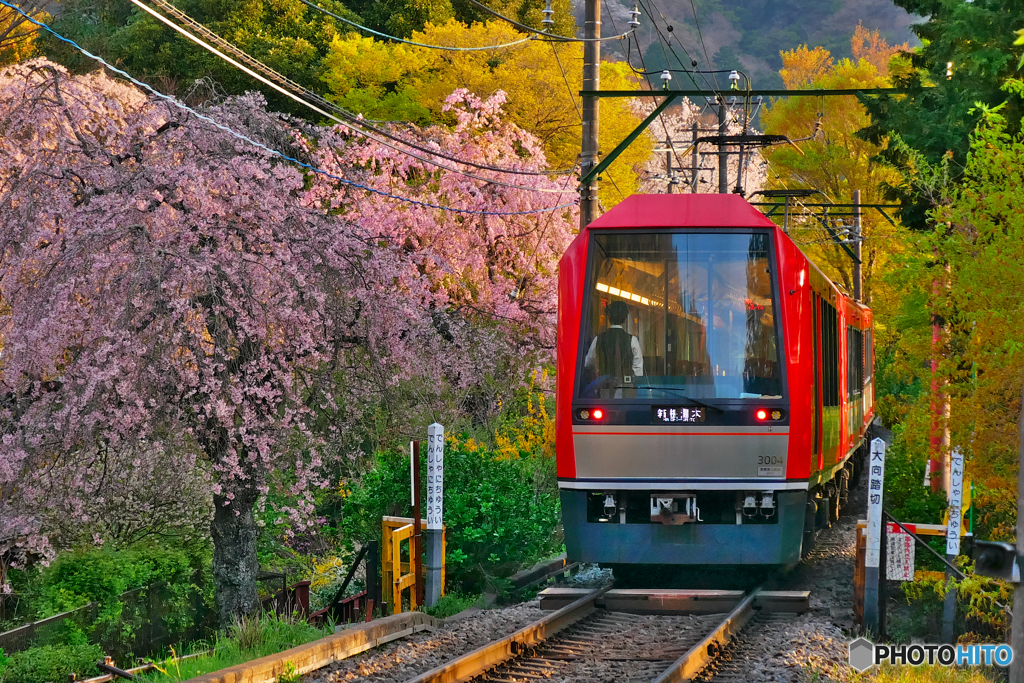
(398, 575)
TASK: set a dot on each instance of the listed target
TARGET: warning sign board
(899, 554)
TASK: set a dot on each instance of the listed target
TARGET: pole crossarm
(749, 93)
(670, 97)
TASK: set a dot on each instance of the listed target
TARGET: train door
(816, 460)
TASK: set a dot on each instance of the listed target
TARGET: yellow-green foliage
(531, 434)
(983, 597)
(541, 79)
(925, 674)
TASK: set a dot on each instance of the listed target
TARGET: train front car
(693, 414)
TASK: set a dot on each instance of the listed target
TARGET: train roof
(683, 211)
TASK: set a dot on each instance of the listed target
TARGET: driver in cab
(616, 355)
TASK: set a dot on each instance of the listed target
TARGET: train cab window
(684, 314)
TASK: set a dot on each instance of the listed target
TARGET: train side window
(829, 354)
(869, 355)
(854, 362)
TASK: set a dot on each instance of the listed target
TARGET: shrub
(502, 512)
(150, 576)
(52, 663)
(450, 604)
(906, 497)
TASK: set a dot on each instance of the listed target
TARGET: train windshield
(680, 315)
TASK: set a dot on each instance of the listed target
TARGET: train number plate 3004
(675, 414)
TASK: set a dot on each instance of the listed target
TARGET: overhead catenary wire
(700, 35)
(713, 86)
(396, 39)
(287, 87)
(544, 35)
(259, 145)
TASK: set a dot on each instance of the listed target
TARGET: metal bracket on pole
(621, 147)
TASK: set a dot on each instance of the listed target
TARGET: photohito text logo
(864, 654)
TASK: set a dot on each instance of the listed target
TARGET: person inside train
(616, 355)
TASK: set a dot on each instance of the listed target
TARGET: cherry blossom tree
(172, 292)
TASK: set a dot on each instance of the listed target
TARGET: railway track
(600, 637)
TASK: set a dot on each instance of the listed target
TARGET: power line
(544, 36)
(700, 35)
(241, 136)
(687, 52)
(318, 8)
(356, 122)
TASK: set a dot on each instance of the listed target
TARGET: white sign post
(435, 513)
(435, 475)
(872, 558)
(956, 497)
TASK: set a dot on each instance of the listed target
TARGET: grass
(250, 638)
(450, 604)
(928, 674)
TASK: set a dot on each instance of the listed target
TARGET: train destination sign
(674, 414)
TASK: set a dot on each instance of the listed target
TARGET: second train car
(714, 388)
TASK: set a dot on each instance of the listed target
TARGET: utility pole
(694, 161)
(591, 81)
(723, 154)
(668, 172)
(857, 232)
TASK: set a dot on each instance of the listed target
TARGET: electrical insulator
(548, 13)
(666, 76)
(634, 18)
(734, 79)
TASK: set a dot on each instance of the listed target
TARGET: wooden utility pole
(723, 154)
(857, 232)
(591, 81)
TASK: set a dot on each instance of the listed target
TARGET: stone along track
(600, 637)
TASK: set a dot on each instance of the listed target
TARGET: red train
(714, 388)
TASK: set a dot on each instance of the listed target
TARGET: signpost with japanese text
(435, 513)
(873, 552)
(956, 494)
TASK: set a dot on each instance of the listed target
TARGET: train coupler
(674, 509)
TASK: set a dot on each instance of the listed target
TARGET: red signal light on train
(761, 415)
(598, 413)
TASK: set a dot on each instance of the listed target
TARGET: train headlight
(776, 414)
(584, 414)
(598, 414)
(761, 414)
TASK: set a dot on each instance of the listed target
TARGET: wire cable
(712, 86)
(279, 82)
(544, 36)
(700, 35)
(329, 13)
(273, 152)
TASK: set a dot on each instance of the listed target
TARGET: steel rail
(487, 657)
(700, 655)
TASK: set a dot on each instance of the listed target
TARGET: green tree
(401, 82)
(967, 54)
(285, 34)
(402, 17)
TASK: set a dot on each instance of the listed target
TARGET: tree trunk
(235, 564)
